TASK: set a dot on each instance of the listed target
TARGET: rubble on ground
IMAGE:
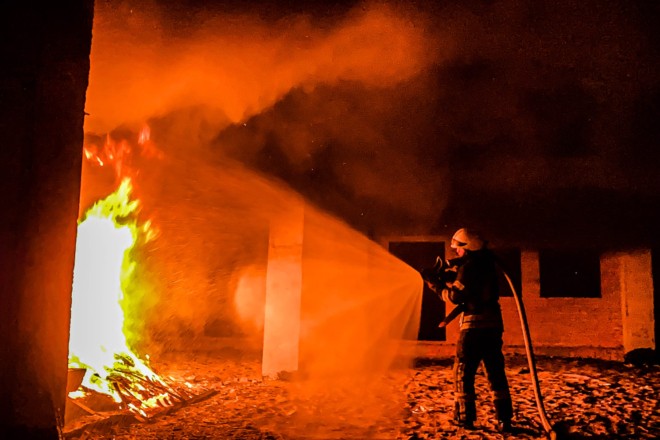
(582, 398)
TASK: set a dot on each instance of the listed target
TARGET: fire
(103, 268)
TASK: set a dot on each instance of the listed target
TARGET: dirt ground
(583, 399)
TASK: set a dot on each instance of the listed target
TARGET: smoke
(366, 107)
(546, 86)
(146, 65)
(549, 132)
(341, 97)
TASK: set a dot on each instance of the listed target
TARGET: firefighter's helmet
(467, 239)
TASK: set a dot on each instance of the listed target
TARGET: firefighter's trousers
(474, 346)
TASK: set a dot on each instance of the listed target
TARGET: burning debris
(104, 265)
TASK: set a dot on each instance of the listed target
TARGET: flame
(112, 153)
(103, 268)
(145, 135)
(147, 147)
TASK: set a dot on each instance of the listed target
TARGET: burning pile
(103, 269)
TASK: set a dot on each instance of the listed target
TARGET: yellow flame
(102, 269)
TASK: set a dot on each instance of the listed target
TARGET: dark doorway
(420, 255)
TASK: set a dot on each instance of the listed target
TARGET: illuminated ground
(591, 399)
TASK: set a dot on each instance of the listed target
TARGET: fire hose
(550, 432)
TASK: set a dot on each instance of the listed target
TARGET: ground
(583, 399)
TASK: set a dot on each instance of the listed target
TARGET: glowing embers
(103, 270)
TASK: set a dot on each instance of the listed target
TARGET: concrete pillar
(283, 292)
(637, 300)
(44, 51)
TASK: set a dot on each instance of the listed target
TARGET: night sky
(534, 121)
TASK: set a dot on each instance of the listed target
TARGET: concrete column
(637, 300)
(44, 52)
(283, 292)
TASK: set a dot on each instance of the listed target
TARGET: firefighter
(481, 328)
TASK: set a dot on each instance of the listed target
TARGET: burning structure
(266, 128)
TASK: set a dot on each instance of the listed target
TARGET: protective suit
(481, 328)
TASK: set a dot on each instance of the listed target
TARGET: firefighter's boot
(465, 412)
(504, 413)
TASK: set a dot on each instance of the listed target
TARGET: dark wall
(44, 53)
(655, 264)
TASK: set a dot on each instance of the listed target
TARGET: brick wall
(637, 313)
(568, 326)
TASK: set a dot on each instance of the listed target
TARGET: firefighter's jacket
(476, 288)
